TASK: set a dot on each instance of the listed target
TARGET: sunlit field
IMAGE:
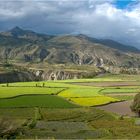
(68, 109)
(80, 91)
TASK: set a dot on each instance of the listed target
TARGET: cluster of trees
(136, 104)
(38, 85)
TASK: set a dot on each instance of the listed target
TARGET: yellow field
(93, 101)
(85, 93)
(80, 92)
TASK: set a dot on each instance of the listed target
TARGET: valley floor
(70, 109)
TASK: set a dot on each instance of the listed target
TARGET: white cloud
(97, 18)
(106, 21)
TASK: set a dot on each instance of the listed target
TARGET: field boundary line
(61, 91)
(108, 103)
(28, 95)
(34, 86)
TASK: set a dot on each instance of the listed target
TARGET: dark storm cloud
(97, 18)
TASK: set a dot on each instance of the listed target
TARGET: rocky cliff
(24, 46)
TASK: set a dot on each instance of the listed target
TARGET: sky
(107, 19)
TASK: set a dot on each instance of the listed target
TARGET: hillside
(27, 46)
(112, 44)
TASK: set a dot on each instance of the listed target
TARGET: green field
(6, 92)
(123, 97)
(78, 94)
(73, 123)
(48, 101)
(66, 110)
(120, 90)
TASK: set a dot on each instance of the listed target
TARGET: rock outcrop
(24, 46)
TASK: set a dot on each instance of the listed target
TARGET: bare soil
(121, 108)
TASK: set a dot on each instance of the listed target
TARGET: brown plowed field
(121, 108)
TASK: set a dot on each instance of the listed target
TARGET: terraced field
(120, 90)
(72, 123)
(66, 109)
(94, 101)
(84, 92)
(7, 92)
(80, 92)
(36, 101)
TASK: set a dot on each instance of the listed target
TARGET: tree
(135, 107)
(7, 84)
(43, 85)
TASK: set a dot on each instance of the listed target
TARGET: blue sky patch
(122, 4)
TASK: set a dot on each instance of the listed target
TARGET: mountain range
(25, 46)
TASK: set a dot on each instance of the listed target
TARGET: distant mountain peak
(16, 31)
(81, 35)
(19, 32)
(16, 28)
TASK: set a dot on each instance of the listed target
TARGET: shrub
(135, 107)
(32, 124)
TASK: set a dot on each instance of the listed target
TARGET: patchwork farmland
(35, 106)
